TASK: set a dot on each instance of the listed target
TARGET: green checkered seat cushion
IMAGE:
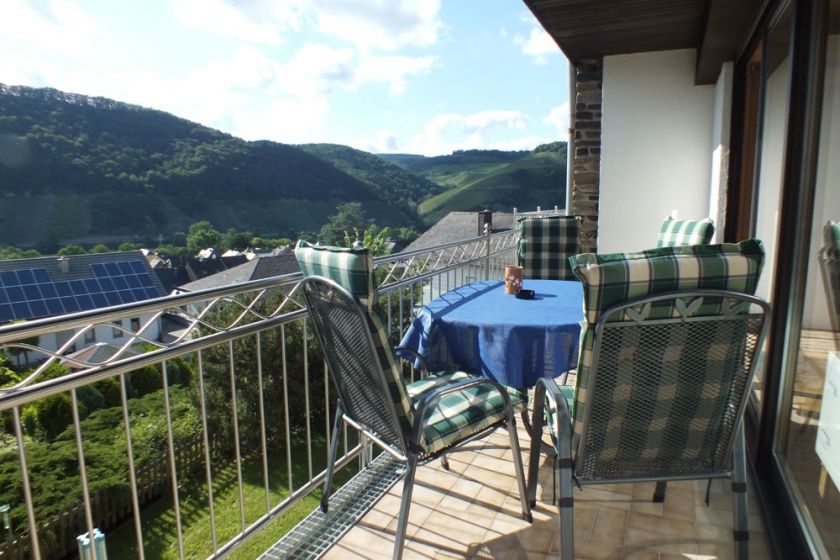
(545, 245)
(611, 279)
(459, 415)
(686, 232)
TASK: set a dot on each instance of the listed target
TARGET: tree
(128, 246)
(233, 239)
(349, 218)
(100, 248)
(72, 249)
(10, 252)
(378, 241)
(201, 236)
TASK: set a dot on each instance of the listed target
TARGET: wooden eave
(597, 28)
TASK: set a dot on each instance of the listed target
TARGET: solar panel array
(32, 293)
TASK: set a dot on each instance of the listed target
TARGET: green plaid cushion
(686, 232)
(545, 245)
(831, 232)
(612, 279)
(459, 415)
(352, 270)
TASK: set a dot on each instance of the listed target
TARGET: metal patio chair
(830, 265)
(663, 378)
(674, 233)
(414, 422)
(545, 245)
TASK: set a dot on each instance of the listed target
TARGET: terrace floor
(473, 511)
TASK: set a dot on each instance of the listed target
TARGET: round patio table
(479, 329)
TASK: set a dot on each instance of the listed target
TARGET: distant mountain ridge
(491, 179)
(91, 167)
(76, 168)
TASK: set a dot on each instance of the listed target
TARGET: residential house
(42, 287)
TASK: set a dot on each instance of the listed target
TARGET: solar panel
(38, 308)
(21, 310)
(15, 294)
(70, 304)
(26, 276)
(32, 293)
(9, 278)
(48, 290)
(63, 288)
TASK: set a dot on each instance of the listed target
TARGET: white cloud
(538, 45)
(252, 21)
(559, 117)
(60, 26)
(294, 121)
(317, 69)
(448, 132)
(366, 24)
(393, 69)
(384, 142)
(380, 24)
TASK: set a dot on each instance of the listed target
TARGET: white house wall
(655, 147)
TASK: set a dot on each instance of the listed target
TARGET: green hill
(394, 183)
(492, 179)
(81, 168)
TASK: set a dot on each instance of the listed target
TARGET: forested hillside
(78, 167)
(492, 179)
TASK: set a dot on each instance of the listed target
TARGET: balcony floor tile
(473, 511)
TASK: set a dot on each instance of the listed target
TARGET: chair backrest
(686, 232)
(545, 245)
(830, 264)
(341, 298)
(668, 351)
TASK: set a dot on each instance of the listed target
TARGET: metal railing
(238, 370)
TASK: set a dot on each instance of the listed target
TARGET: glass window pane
(809, 443)
(776, 69)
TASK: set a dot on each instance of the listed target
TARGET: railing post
(487, 248)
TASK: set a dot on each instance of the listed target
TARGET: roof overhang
(597, 28)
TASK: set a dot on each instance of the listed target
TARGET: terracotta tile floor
(473, 511)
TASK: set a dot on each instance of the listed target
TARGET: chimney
(485, 217)
(64, 264)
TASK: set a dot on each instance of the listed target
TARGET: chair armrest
(415, 356)
(563, 417)
(435, 395)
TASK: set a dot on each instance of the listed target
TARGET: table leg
(546, 448)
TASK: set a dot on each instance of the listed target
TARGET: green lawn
(158, 518)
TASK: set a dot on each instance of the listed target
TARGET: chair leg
(520, 470)
(659, 493)
(444, 462)
(325, 498)
(402, 522)
(536, 443)
(566, 509)
(566, 500)
(740, 530)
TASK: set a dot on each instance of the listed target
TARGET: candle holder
(513, 279)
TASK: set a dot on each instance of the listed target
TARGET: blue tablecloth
(479, 329)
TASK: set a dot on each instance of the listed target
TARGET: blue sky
(411, 76)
